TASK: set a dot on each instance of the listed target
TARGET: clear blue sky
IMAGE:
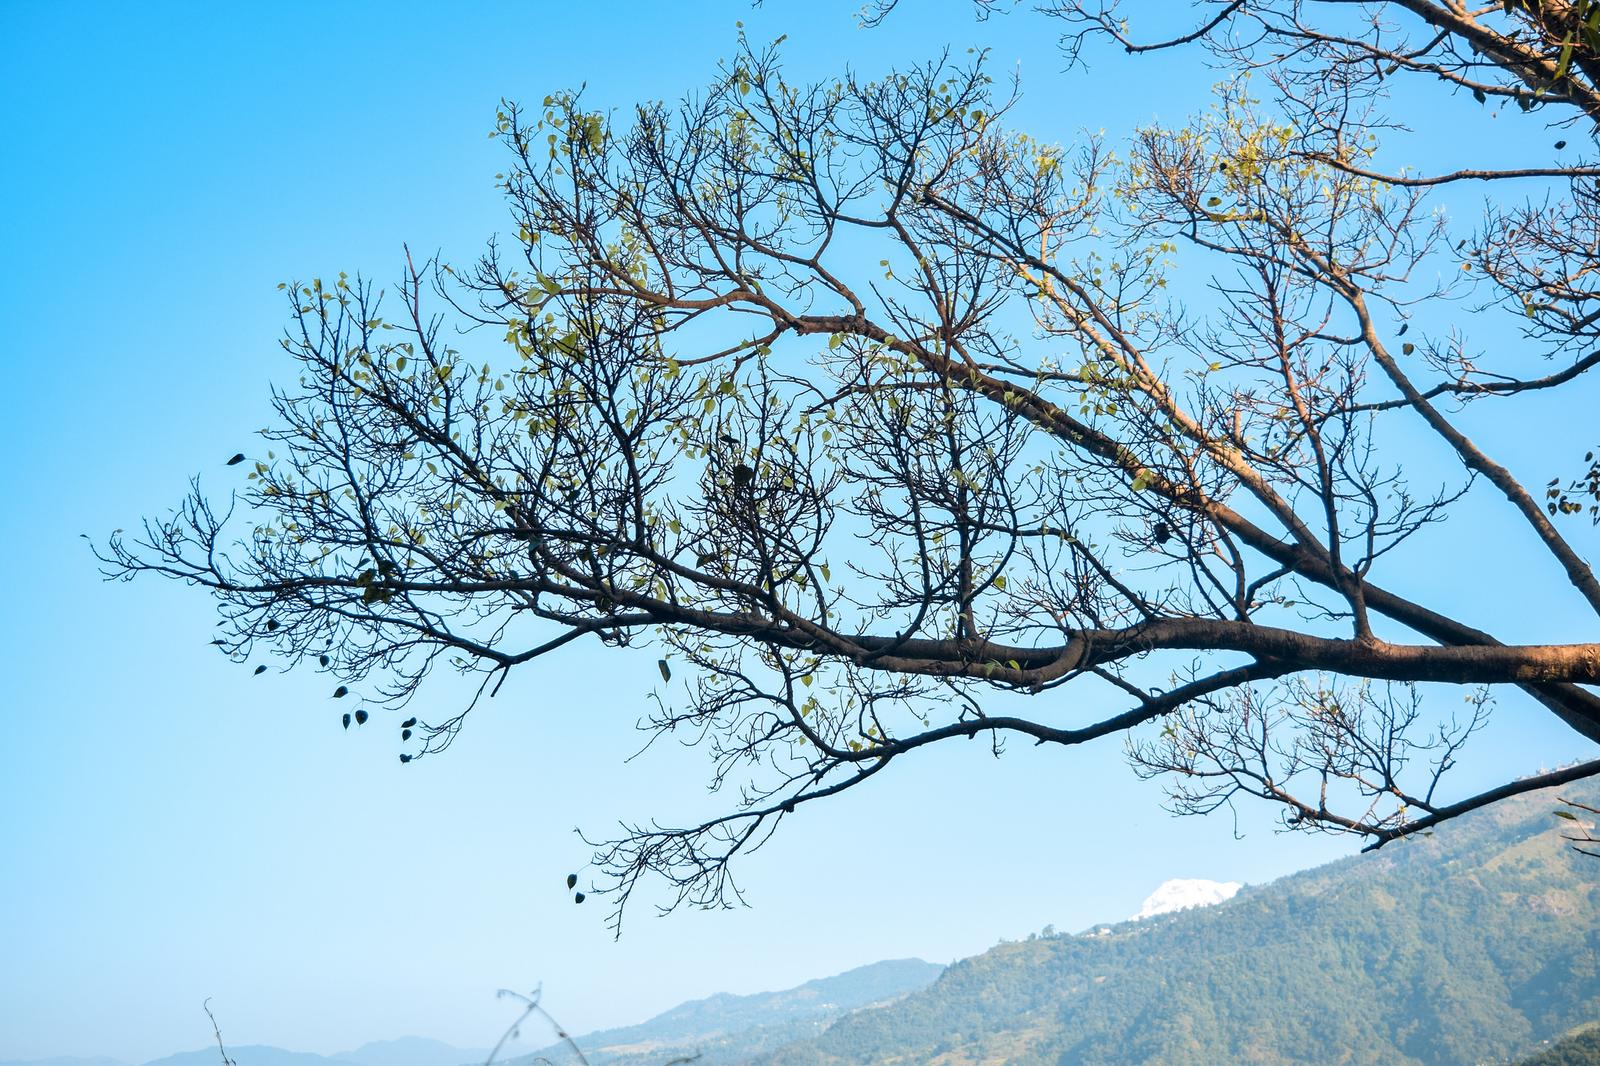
(172, 828)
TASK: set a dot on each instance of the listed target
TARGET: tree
(879, 418)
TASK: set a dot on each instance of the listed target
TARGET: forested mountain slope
(1581, 1048)
(1469, 946)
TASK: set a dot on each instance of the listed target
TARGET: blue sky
(172, 828)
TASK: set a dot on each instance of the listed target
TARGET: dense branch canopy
(880, 419)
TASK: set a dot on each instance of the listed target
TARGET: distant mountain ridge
(724, 1027)
(406, 1051)
(411, 1051)
(247, 1055)
(727, 1028)
(1472, 946)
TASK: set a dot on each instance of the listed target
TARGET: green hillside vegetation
(1577, 1049)
(729, 1029)
(1468, 947)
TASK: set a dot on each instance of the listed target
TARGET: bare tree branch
(876, 417)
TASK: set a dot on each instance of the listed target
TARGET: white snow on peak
(1184, 892)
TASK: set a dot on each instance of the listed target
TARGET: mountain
(246, 1055)
(1475, 945)
(1182, 893)
(410, 1051)
(728, 1029)
(65, 1060)
(1470, 946)
(406, 1051)
(725, 1027)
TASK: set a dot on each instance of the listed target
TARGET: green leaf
(666, 671)
(1565, 62)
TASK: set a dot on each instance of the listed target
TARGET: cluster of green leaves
(1580, 31)
(1582, 493)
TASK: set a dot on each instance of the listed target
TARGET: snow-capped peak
(1184, 892)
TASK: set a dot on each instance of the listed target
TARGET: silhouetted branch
(217, 1032)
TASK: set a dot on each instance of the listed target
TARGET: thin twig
(531, 1007)
(216, 1030)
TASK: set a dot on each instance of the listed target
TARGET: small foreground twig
(215, 1029)
(530, 1007)
(1586, 834)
